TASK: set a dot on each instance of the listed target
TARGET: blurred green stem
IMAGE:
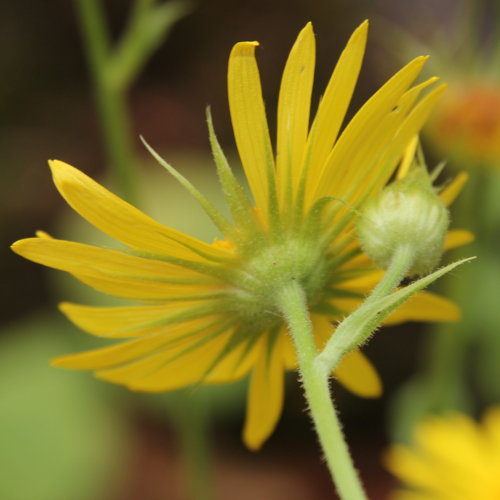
(293, 305)
(115, 66)
(193, 424)
(111, 100)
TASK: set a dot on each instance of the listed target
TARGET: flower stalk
(294, 308)
(315, 368)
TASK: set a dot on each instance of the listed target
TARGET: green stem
(193, 424)
(354, 330)
(111, 99)
(293, 305)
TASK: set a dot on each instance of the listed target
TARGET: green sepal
(236, 198)
(217, 218)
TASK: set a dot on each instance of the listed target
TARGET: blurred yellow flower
(208, 313)
(453, 458)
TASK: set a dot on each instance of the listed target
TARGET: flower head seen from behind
(207, 313)
(453, 458)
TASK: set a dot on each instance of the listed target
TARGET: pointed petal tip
(19, 245)
(243, 49)
(433, 79)
(15, 245)
(27, 247)
(64, 307)
(308, 28)
(418, 61)
(246, 45)
(61, 362)
(306, 32)
(56, 164)
(363, 27)
(61, 170)
(42, 234)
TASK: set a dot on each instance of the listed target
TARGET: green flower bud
(407, 212)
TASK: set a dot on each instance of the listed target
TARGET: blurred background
(66, 435)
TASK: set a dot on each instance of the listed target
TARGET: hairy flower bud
(407, 212)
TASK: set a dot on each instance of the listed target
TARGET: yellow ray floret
(452, 458)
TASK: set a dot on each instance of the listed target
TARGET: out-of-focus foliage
(61, 437)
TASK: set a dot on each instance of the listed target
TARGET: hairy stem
(293, 305)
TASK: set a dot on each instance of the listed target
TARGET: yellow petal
(364, 283)
(170, 340)
(425, 306)
(358, 375)
(81, 258)
(249, 120)
(145, 290)
(289, 351)
(107, 357)
(293, 112)
(113, 272)
(124, 222)
(382, 169)
(451, 191)
(456, 441)
(372, 163)
(457, 237)
(336, 99)
(126, 321)
(408, 157)
(366, 120)
(234, 366)
(265, 396)
(184, 364)
(417, 471)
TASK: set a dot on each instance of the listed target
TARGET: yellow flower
(454, 458)
(207, 313)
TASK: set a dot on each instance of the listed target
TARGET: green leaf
(357, 328)
(382, 308)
